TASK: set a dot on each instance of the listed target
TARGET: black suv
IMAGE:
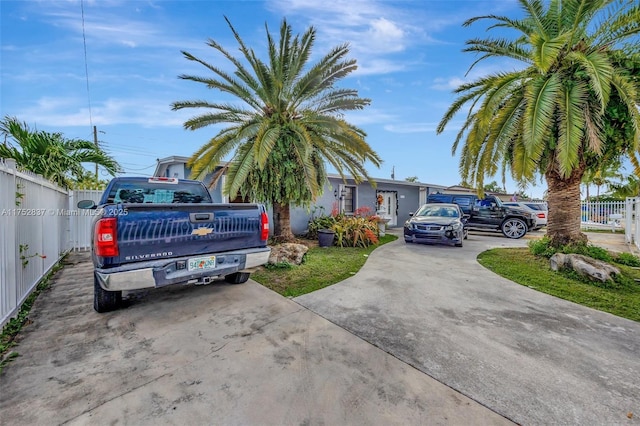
(489, 213)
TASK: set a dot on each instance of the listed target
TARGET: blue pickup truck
(154, 232)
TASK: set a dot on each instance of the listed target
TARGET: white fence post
(628, 222)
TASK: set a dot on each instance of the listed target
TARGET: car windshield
(438, 211)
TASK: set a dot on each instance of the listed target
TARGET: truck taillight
(541, 215)
(105, 241)
(264, 227)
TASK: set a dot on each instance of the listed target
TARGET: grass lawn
(322, 267)
(621, 298)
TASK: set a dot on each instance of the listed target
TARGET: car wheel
(514, 228)
(237, 277)
(459, 244)
(103, 300)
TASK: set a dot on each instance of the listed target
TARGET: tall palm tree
(51, 154)
(553, 115)
(286, 124)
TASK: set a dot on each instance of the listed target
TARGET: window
(156, 193)
(348, 203)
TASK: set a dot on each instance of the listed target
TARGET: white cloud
(419, 127)
(67, 111)
(376, 31)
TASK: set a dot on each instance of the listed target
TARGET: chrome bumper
(164, 272)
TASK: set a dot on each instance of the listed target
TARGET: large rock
(288, 252)
(585, 266)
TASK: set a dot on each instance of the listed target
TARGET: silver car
(436, 223)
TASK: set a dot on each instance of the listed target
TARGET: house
(399, 198)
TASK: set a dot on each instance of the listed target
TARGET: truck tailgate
(156, 231)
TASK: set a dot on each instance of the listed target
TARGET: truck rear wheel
(514, 228)
(237, 277)
(103, 300)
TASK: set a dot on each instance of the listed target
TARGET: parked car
(536, 208)
(489, 213)
(436, 223)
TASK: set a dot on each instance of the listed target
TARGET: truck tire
(237, 277)
(514, 228)
(103, 300)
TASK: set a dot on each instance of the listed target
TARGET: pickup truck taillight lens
(264, 227)
(105, 241)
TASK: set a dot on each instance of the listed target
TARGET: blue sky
(409, 56)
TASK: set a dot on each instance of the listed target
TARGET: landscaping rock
(288, 252)
(585, 266)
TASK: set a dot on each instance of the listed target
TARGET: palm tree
(50, 154)
(605, 174)
(287, 124)
(553, 116)
(628, 188)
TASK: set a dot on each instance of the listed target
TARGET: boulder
(288, 252)
(585, 266)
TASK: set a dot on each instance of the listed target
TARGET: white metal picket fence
(39, 223)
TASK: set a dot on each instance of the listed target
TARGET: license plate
(202, 263)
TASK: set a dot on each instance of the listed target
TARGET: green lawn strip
(621, 298)
(322, 267)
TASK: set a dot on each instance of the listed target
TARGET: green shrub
(355, 232)
(321, 222)
(627, 259)
(542, 247)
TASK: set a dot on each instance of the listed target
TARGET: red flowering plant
(367, 213)
(364, 211)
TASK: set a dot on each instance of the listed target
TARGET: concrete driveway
(216, 354)
(533, 358)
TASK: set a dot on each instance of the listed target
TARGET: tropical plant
(493, 186)
(89, 180)
(318, 223)
(629, 187)
(51, 154)
(287, 124)
(606, 173)
(351, 231)
(555, 116)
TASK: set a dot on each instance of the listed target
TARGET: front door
(389, 206)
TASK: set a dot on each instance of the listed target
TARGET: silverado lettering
(178, 221)
(148, 255)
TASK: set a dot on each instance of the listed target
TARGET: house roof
(391, 181)
(164, 163)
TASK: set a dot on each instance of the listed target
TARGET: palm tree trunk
(563, 225)
(282, 222)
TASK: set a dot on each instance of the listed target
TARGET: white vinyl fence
(39, 223)
(603, 214)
